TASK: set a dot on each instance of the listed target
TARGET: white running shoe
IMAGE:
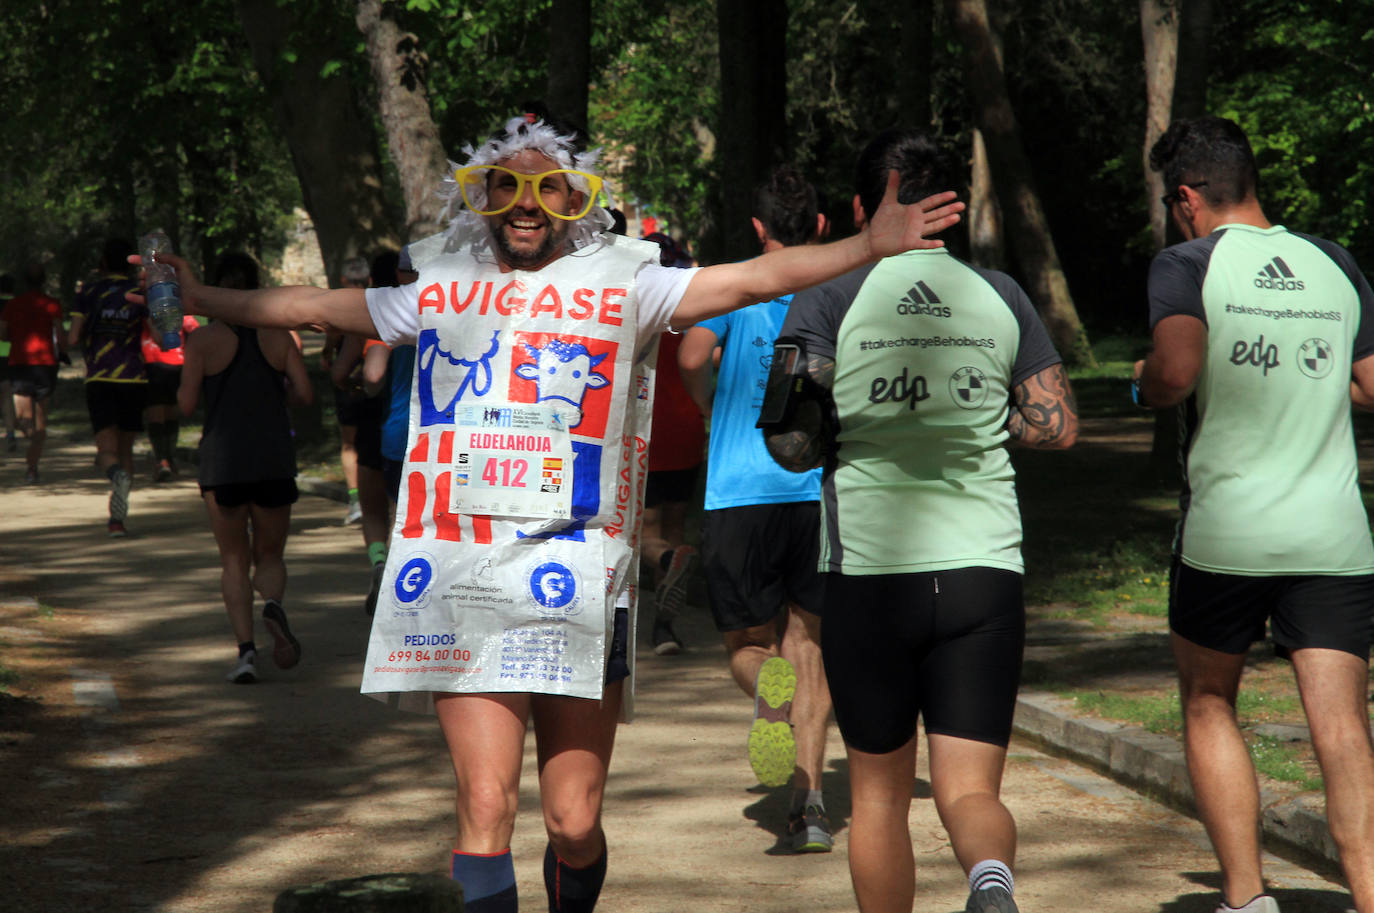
(1263, 903)
(245, 672)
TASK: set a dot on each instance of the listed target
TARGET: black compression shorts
(1226, 612)
(163, 381)
(670, 485)
(268, 493)
(758, 558)
(115, 404)
(944, 646)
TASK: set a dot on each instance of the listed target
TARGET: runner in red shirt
(29, 322)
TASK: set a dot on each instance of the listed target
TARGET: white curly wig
(467, 229)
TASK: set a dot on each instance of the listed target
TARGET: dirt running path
(135, 778)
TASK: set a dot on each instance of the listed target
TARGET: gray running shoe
(809, 831)
(672, 589)
(245, 671)
(991, 900)
(120, 484)
(354, 515)
(1263, 903)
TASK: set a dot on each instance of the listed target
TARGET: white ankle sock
(990, 873)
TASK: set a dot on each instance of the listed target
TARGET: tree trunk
(1159, 29)
(570, 60)
(333, 145)
(398, 69)
(1190, 79)
(986, 248)
(1027, 226)
(916, 37)
(753, 124)
(1189, 100)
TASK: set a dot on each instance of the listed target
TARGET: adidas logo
(921, 300)
(1276, 275)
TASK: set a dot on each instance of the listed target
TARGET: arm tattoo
(1044, 413)
(803, 444)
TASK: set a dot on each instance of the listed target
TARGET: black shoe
(666, 642)
(286, 652)
(370, 606)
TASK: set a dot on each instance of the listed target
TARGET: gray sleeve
(1364, 336)
(1175, 282)
(815, 315)
(1034, 351)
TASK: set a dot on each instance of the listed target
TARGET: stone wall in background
(302, 263)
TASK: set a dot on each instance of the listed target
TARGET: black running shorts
(758, 558)
(1226, 612)
(115, 404)
(163, 381)
(268, 493)
(36, 381)
(670, 485)
(618, 656)
(944, 646)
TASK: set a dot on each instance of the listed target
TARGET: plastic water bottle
(164, 292)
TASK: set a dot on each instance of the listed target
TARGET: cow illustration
(563, 372)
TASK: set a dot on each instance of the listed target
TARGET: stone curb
(1154, 764)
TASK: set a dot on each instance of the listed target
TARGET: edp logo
(1255, 353)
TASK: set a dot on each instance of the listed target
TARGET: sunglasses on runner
(490, 190)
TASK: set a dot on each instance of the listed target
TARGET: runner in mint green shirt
(1263, 336)
(929, 368)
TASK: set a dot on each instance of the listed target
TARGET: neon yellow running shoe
(772, 748)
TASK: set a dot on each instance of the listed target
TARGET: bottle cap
(170, 340)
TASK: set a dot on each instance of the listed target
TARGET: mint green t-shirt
(927, 351)
(1269, 454)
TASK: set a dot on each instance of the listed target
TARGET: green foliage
(114, 125)
(1298, 77)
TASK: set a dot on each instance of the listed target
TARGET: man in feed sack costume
(510, 585)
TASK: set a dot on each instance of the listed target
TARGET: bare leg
(966, 779)
(372, 498)
(270, 527)
(107, 447)
(881, 862)
(486, 737)
(575, 738)
(801, 646)
(1219, 764)
(348, 454)
(230, 527)
(1333, 686)
(748, 649)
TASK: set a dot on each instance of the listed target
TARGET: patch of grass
(1280, 760)
(1129, 575)
(1155, 713)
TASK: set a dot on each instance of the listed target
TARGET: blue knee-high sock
(572, 890)
(488, 881)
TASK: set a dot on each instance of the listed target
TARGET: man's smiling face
(526, 236)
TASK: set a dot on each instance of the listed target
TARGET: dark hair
(6, 284)
(236, 270)
(925, 164)
(618, 224)
(786, 205)
(1210, 149)
(384, 269)
(35, 275)
(114, 256)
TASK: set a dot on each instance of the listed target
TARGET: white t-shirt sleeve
(395, 313)
(659, 290)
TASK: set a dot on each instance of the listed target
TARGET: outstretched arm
(894, 229)
(289, 307)
(1044, 413)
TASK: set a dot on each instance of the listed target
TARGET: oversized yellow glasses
(490, 190)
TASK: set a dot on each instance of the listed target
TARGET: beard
(525, 257)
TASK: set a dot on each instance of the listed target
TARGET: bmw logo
(968, 387)
(1315, 358)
